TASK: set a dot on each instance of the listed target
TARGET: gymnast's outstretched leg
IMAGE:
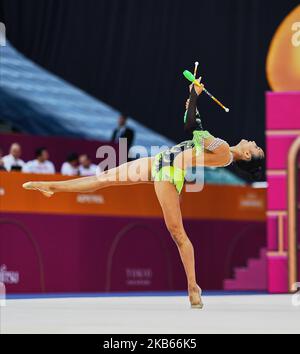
(170, 203)
(131, 173)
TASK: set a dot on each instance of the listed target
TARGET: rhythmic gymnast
(167, 172)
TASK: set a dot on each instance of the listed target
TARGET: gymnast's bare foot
(42, 187)
(195, 297)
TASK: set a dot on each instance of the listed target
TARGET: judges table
(115, 239)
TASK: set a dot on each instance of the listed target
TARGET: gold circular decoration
(283, 62)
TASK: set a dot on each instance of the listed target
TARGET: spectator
(2, 168)
(123, 132)
(41, 165)
(70, 167)
(86, 168)
(13, 162)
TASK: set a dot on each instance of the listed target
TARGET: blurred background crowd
(75, 164)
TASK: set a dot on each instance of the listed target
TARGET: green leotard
(163, 168)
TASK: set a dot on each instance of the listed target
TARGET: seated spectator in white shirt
(70, 167)
(2, 168)
(13, 162)
(86, 168)
(41, 165)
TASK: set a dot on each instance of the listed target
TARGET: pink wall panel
(273, 233)
(283, 110)
(277, 151)
(103, 254)
(278, 274)
(277, 193)
(283, 128)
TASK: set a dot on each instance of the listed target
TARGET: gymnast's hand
(198, 89)
(187, 104)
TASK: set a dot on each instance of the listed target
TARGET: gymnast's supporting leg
(169, 201)
(114, 177)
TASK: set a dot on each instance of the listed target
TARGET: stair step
(243, 285)
(238, 286)
(263, 253)
(230, 284)
(239, 271)
(254, 263)
(252, 277)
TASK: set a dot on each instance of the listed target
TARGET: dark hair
(251, 170)
(86, 155)
(72, 157)
(39, 151)
(124, 116)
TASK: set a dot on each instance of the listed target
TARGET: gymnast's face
(249, 150)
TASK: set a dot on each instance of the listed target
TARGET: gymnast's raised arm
(193, 121)
(217, 152)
